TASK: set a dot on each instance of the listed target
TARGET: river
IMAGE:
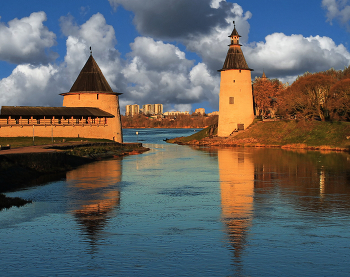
(180, 211)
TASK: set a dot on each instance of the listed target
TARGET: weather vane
(90, 51)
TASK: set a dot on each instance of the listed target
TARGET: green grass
(281, 133)
(311, 133)
(16, 142)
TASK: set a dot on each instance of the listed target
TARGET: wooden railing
(53, 121)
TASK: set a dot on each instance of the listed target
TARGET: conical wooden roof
(91, 79)
(235, 58)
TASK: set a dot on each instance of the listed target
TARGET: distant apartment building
(213, 113)
(152, 109)
(200, 111)
(176, 113)
(131, 110)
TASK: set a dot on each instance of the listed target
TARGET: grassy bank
(285, 134)
(24, 169)
(16, 142)
(308, 133)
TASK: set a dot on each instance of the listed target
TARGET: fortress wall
(83, 131)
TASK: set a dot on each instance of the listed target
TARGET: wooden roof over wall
(17, 111)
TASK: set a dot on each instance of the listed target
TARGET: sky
(163, 51)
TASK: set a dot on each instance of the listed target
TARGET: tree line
(322, 95)
(178, 121)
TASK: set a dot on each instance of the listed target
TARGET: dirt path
(28, 149)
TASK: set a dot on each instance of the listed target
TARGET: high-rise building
(131, 110)
(200, 111)
(152, 109)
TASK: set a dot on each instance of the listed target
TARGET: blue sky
(162, 51)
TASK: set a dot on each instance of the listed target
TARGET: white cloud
(280, 55)
(337, 9)
(183, 108)
(159, 72)
(215, 4)
(27, 40)
(156, 72)
(95, 33)
(156, 55)
(203, 26)
(41, 85)
(29, 85)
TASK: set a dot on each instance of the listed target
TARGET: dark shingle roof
(53, 111)
(235, 59)
(91, 79)
(234, 33)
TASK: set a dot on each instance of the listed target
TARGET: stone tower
(91, 89)
(236, 98)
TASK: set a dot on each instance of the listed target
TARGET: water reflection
(311, 189)
(312, 181)
(95, 195)
(236, 171)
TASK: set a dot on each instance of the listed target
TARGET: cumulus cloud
(174, 18)
(154, 72)
(286, 57)
(157, 55)
(212, 48)
(160, 73)
(157, 71)
(27, 40)
(28, 85)
(40, 85)
(202, 26)
(337, 9)
(281, 56)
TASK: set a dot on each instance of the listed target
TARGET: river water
(180, 211)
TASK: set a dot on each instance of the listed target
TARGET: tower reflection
(237, 190)
(94, 188)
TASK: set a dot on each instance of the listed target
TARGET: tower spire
(235, 58)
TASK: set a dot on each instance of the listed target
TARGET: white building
(131, 110)
(152, 109)
(176, 113)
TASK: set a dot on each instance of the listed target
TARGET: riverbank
(314, 135)
(34, 165)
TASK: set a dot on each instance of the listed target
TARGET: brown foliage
(339, 103)
(309, 96)
(265, 93)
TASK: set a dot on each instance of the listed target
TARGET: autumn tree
(308, 96)
(265, 93)
(339, 102)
